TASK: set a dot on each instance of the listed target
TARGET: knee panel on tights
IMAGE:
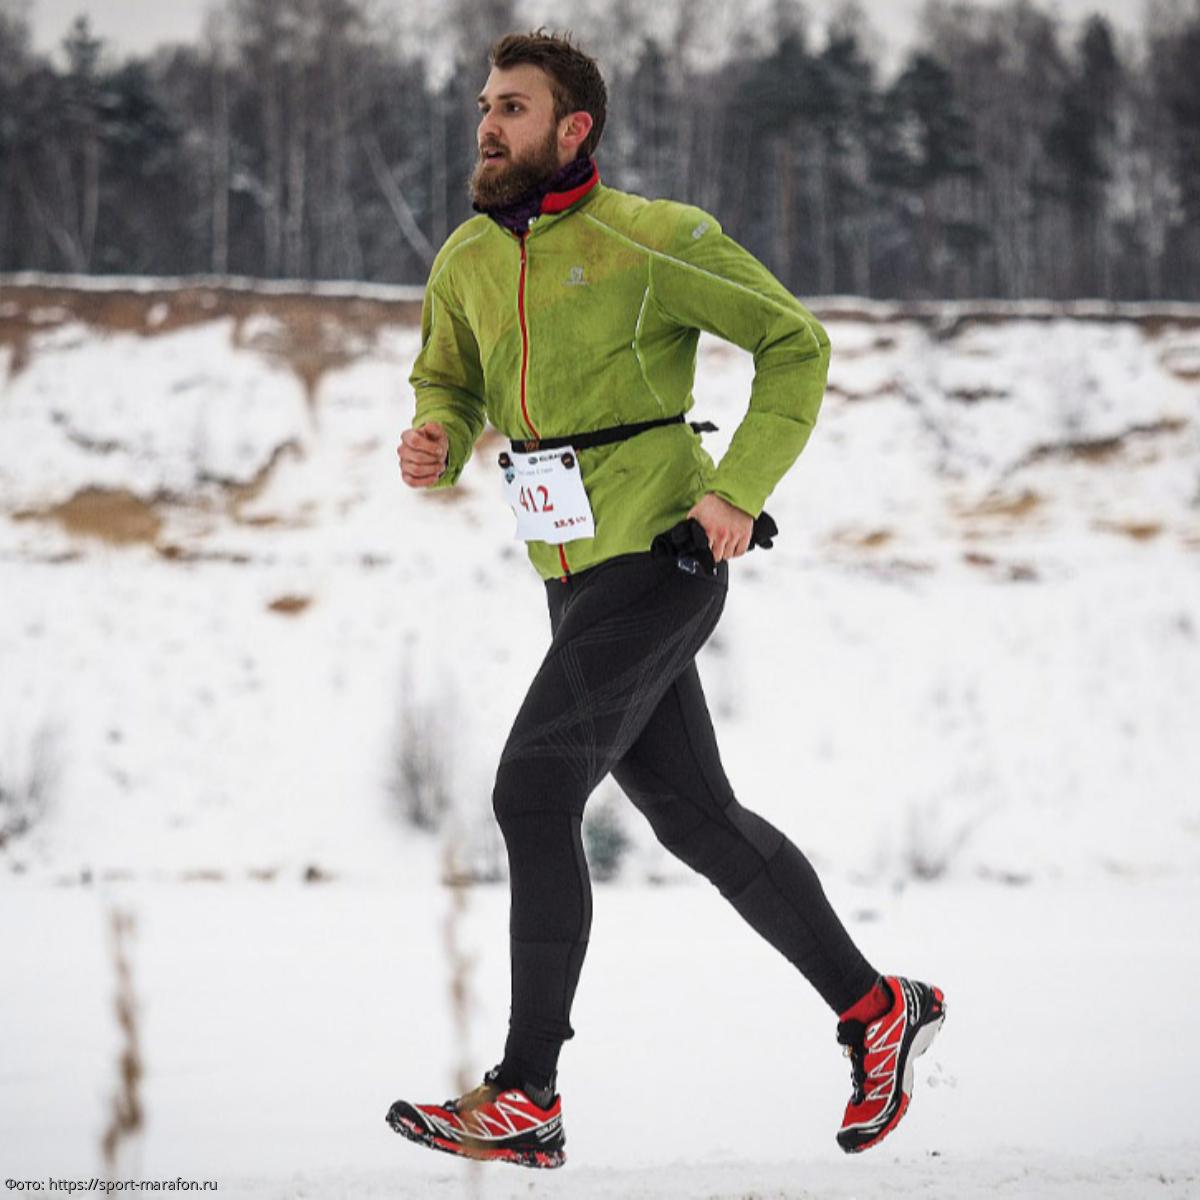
(762, 835)
(735, 848)
(532, 786)
(728, 846)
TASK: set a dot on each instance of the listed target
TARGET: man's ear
(576, 127)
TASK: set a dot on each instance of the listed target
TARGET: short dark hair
(575, 80)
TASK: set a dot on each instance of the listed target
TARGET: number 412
(529, 501)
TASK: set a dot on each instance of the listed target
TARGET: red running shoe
(490, 1122)
(881, 1053)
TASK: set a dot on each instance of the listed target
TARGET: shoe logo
(700, 230)
(883, 1059)
(548, 1130)
(575, 279)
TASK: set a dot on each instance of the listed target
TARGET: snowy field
(280, 1022)
(964, 681)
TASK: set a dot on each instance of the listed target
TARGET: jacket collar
(562, 198)
(562, 191)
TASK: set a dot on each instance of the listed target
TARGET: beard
(497, 186)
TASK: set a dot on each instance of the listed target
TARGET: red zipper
(524, 337)
(562, 557)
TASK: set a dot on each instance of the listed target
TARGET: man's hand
(423, 453)
(729, 529)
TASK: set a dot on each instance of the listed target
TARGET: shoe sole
(406, 1127)
(925, 1034)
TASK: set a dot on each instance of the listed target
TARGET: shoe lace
(852, 1035)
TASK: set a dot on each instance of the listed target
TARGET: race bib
(545, 490)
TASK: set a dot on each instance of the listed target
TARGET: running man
(568, 314)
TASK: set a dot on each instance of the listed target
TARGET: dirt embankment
(306, 331)
(309, 332)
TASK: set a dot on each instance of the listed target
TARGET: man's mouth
(491, 154)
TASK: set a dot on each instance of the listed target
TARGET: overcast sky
(140, 25)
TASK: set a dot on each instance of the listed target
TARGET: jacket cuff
(457, 453)
(739, 496)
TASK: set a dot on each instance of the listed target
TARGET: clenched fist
(423, 454)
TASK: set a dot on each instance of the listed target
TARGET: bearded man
(568, 313)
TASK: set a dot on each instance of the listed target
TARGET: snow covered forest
(1007, 155)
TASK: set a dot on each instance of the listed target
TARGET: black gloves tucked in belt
(688, 540)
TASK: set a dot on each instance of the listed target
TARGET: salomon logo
(700, 230)
(575, 279)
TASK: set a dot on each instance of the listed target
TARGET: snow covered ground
(964, 682)
(280, 1021)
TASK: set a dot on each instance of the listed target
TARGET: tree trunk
(220, 166)
(437, 162)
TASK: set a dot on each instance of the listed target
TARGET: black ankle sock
(541, 1093)
(541, 1096)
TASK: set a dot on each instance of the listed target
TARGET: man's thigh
(618, 645)
(673, 774)
(676, 753)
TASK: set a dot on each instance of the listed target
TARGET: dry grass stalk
(461, 965)
(125, 1110)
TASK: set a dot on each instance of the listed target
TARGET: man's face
(517, 137)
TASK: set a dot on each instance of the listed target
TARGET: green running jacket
(592, 319)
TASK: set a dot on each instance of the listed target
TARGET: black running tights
(618, 691)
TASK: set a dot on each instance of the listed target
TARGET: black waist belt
(601, 437)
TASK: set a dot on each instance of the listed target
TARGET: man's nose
(488, 129)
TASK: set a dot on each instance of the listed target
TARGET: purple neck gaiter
(516, 215)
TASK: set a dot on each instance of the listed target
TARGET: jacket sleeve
(448, 379)
(705, 280)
